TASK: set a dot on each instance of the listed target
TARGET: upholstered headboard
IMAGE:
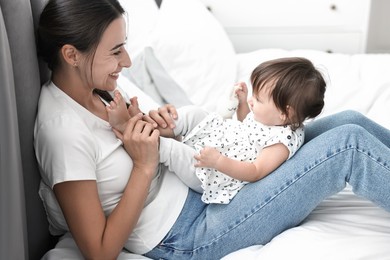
(23, 226)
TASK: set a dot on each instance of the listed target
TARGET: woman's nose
(125, 61)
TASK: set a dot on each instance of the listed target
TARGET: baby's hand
(207, 157)
(241, 90)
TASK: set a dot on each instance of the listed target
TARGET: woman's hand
(141, 140)
(164, 116)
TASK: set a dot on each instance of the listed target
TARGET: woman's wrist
(144, 171)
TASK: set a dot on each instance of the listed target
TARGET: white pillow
(149, 75)
(195, 50)
(141, 18)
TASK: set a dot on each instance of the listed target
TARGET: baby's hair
(294, 82)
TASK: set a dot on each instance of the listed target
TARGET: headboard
(24, 228)
(23, 224)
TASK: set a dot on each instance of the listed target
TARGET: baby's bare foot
(117, 112)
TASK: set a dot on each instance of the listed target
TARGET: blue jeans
(345, 147)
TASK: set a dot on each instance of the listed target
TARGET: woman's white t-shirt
(73, 144)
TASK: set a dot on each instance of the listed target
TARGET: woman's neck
(70, 83)
(80, 92)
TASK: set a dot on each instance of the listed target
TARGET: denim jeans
(345, 147)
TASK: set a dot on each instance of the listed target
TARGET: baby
(268, 131)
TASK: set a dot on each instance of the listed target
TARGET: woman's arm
(267, 161)
(98, 236)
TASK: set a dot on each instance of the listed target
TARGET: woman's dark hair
(80, 23)
(294, 82)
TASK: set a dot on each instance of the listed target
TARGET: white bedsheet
(341, 227)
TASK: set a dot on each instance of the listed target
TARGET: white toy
(227, 107)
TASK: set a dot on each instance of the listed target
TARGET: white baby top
(237, 140)
(73, 144)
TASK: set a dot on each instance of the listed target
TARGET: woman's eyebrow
(117, 46)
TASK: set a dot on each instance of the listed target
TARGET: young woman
(111, 195)
(231, 153)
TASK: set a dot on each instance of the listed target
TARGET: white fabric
(241, 141)
(341, 227)
(141, 19)
(195, 50)
(74, 144)
(151, 77)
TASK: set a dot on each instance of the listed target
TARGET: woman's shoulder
(55, 115)
(52, 103)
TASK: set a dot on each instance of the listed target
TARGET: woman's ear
(70, 55)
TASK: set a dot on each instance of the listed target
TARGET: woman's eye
(117, 53)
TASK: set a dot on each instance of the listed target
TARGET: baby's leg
(179, 158)
(117, 112)
(188, 118)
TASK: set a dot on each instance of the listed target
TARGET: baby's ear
(287, 116)
(283, 117)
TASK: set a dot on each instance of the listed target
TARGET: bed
(182, 55)
(193, 62)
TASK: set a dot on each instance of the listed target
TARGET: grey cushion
(20, 175)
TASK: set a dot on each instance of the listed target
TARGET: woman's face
(111, 56)
(264, 109)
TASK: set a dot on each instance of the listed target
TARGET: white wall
(379, 27)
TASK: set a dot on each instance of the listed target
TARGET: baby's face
(264, 109)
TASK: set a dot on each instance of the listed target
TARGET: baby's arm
(242, 95)
(118, 115)
(267, 161)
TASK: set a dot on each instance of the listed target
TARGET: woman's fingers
(156, 117)
(118, 134)
(148, 119)
(164, 116)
